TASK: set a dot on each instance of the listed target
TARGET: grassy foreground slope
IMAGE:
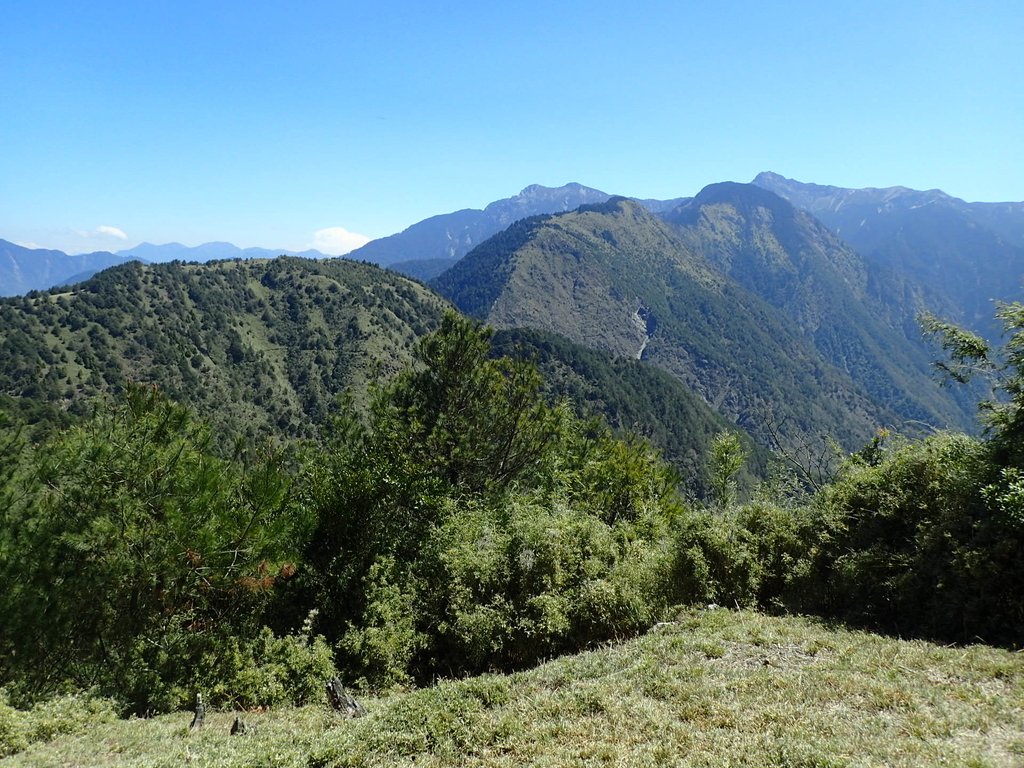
(712, 688)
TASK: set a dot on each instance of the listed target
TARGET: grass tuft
(709, 689)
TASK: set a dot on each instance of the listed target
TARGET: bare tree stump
(200, 716)
(342, 701)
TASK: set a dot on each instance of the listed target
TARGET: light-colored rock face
(819, 198)
(536, 199)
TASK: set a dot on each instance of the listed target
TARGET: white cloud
(28, 244)
(104, 232)
(337, 241)
(112, 232)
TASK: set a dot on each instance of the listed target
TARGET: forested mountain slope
(258, 347)
(615, 277)
(630, 396)
(826, 289)
(959, 256)
(264, 348)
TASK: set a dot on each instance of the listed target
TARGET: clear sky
(290, 124)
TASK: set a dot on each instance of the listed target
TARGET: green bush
(514, 583)
(758, 554)
(784, 539)
(48, 719)
(131, 552)
(381, 646)
(467, 525)
(266, 671)
(716, 560)
(506, 583)
(926, 541)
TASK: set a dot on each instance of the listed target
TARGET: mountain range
(784, 309)
(427, 248)
(735, 293)
(960, 256)
(25, 269)
(933, 250)
(450, 236)
(423, 251)
(209, 252)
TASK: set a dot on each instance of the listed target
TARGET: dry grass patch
(713, 688)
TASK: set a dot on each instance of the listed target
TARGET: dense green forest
(262, 350)
(259, 348)
(746, 307)
(459, 523)
(632, 397)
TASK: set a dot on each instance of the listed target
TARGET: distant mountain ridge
(453, 235)
(1006, 219)
(944, 254)
(616, 277)
(36, 269)
(427, 248)
(213, 251)
(872, 220)
(26, 269)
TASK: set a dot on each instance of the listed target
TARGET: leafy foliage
(924, 541)
(469, 524)
(132, 552)
(518, 579)
(477, 423)
(725, 461)
(1002, 369)
(260, 349)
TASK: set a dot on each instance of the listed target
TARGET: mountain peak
(539, 190)
(536, 198)
(817, 197)
(769, 177)
(744, 197)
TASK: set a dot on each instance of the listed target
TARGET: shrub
(132, 552)
(266, 671)
(381, 646)
(514, 583)
(504, 584)
(48, 719)
(716, 560)
(467, 525)
(924, 542)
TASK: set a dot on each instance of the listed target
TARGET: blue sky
(266, 123)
